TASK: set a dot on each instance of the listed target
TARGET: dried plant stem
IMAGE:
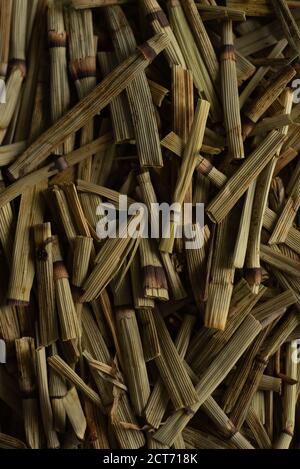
(120, 115)
(215, 12)
(18, 63)
(244, 176)
(26, 367)
(65, 305)
(135, 367)
(75, 413)
(30, 180)
(287, 216)
(5, 25)
(193, 57)
(196, 264)
(83, 70)
(139, 300)
(270, 346)
(230, 94)
(260, 73)
(267, 97)
(221, 283)
(82, 4)
(180, 388)
(189, 163)
(7, 225)
(59, 85)
(260, 204)
(35, 56)
(45, 404)
(149, 334)
(202, 39)
(289, 399)
(289, 24)
(155, 282)
(258, 430)
(88, 107)
(160, 24)
(22, 267)
(211, 378)
(63, 369)
(46, 296)
(293, 236)
(158, 401)
(138, 92)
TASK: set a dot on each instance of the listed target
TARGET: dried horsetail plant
(239, 310)
(222, 422)
(288, 22)
(211, 378)
(202, 39)
(108, 262)
(82, 4)
(287, 216)
(183, 101)
(18, 64)
(196, 264)
(269, 347)
(138, 92)
(204, 167)
(183, 113)
(180, 388)
(59, 85)
(75, 413)
(120, 116)
(64, 213)
(57, 390)
(44, 399)
(46, 296)
(22, 266)
(139, 299)
(83, 247)
(5, 25)
(116, 404)
(260, 73)
(221, 282)
(158, 401)
(64, 370)
(96, 427)
(160, 24)
(74, 119)
(149, 336)
(8, 153)
(230, 94)
(83, 70)
(150, 199)
(25, 354)
(155, 282)
(193, 57)
(259, 206)
(68, 320)
(6, 226)
(188, 165)
(289, 399)
(241, 180)
(35, 56)
(257, 7)
(135, 368)
(158, 92)
(266, 98)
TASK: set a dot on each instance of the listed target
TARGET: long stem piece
(88, 107)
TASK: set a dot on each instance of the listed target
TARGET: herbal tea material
(149, 224)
